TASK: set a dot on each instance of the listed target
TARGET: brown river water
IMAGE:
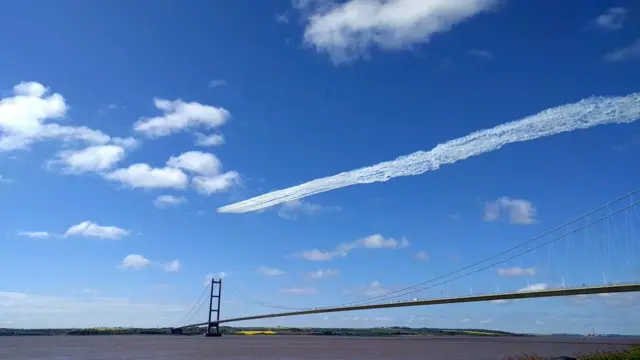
(142, 347)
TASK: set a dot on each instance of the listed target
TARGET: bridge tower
(214, 295)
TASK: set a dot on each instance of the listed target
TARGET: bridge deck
(454, 300)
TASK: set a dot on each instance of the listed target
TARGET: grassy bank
(631, 354)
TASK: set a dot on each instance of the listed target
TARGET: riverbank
(255, 331)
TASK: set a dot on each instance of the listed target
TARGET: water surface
(143, 347)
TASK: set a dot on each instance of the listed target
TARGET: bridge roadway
(590, 290)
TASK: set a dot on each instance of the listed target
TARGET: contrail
(583, 114)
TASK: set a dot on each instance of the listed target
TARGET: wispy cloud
(299, 291)
(282, 18)
(270, 271)
(534, 287)
(422, 255)
(516, 271)
(633, 142)
(173, 266)
(375, 241)
(292, 209)
(91, 291)
(521, 212)
(323, 273)
(483, 54)
(209, 140)
(584, 114)
(217, 83)
(17, 302)
(35, 234)
(375, 288)
(164, 201)
(612, 19)
(629, 53)
(111, 107)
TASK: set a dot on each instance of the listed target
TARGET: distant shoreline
(279, 331)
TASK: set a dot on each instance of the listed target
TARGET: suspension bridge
(609, 237)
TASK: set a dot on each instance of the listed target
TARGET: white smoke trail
(580, 115)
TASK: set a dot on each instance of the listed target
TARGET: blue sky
(124, 126)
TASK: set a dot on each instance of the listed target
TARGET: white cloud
(180, 116)
(92, 158)
(217, 82)
(28, 116)
(207, 166)
(291, 209)
(375, 241)
(421, 255)
(269, 271)
(144, 176)
(218, 275)
(612, 19)
(299, 291)
(134, 261)
(164, 201)
(629, 53)
(516, 271)
(323, 273)
(90, 229)
(208, 185)
(499, 301)
(33, 311)
(465, 320)
(173, 266)
(349, 30)
(534, 287)
(486, 321)
(22, 116)
(4, 179)
(209, 140)
(196, 161)
(35, 234)
(521, 212)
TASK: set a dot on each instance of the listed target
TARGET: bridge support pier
(214, 295)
